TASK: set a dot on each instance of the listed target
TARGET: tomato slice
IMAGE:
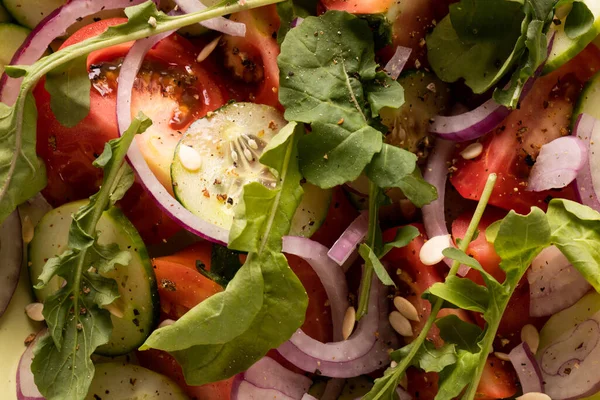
(509, 151)
(340, 215)
(172, 89)
(420, 278)
(479, 248)
(253, 59)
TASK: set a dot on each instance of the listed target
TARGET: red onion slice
(11, 258)
(219, 24)
(554, 284)
(527, 369)
(396, 64)
(268, 379)
(476, 123)
(312, 356)
(330, 274)
(53, 26)
(26, 387)
(470, 125)
(171, 207)
(347, 244)
(587, 129)
(436, 174)
(558, 164)
(569, 364)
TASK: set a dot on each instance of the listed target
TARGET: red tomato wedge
(358, 6)
(510, 150)
(69, 152)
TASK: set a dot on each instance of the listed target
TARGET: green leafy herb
(77, 323)
(69, 87)
(264, 303)
(576, 232)
(329, 80)
(290, 10)
(385, 386)
(580, 19)
(18, 121)
(483, 40)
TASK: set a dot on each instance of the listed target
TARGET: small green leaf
(579, 21)
(576, 232)
(331, 156)
(264, 215)
(454, 378)
(464, 335)
(69, 87)
(404, 235)
(390, 166)
(417, 190)
(463, 293)
(371, 258)
(384, 92)
(429, 358)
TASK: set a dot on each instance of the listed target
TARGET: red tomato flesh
(509, 150)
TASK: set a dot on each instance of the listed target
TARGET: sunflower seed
(400, 324)
(531, 336)
(349, 321)
(208, 49)
(406, 308)
(34, 311)
(471, 151)
(534, 396)
(431, 252)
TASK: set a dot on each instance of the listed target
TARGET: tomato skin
(358, 6)
(543, 115)
(340, 215)
(498, 380)
(69, 152)
(164, 363)
(407, 258)
(480, 249)
(261, 45)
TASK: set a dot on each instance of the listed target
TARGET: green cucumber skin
(555, 61)
(30, 13)
(132, 382)
(148, 309)
(589, 100)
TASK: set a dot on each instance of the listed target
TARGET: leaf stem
(367, 279)
(400, 369)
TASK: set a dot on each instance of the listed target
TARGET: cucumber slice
(565, 48)
(589, 100)
(137, 284)
(219, 154)
(131, 382)
(568, 336)
(13, 37)
(425, 97)
(29, 13)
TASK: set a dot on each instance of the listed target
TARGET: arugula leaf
(462, 46)
(69, 87)
(18, 122)
(580, 19)
(372, 263)
(428, 357)
(482, 40)
(390, 166)
(328, 79)
(576, 232)
(384, 387)
(464, 334)
(417, 189)
(77, 323)
(264, 303)
(404, 236)
(18, 156)
(518, 241)
(463, 293)
(289, 10)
